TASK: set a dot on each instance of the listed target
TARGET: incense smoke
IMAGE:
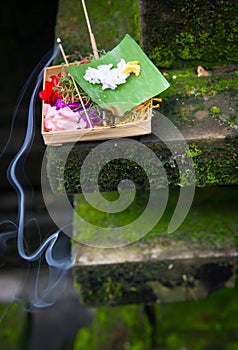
(58, 266)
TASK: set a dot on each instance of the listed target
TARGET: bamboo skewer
(74, 82)
(91, 35)
(95, 53)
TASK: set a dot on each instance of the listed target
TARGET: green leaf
(135, 91)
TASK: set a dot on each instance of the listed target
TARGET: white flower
(106, 75)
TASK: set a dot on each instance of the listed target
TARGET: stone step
(214, 163)
(166, 272)
(190, 263)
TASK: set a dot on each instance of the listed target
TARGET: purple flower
(94, 118)
(59, 103)
(93, 114)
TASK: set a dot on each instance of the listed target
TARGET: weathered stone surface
(183, 32)
(200, 256)
(205, 112)
(159, 271)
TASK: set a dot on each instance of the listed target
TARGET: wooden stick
(74, 82)
(92, 38)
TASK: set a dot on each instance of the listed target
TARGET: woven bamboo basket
(139, 123)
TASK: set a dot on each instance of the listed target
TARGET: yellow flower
(158, 100)
(132, 67)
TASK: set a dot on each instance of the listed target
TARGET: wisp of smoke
(58, 267)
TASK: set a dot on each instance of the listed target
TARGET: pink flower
(66, 119)
(62, 119)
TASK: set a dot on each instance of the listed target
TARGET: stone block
(188, 264)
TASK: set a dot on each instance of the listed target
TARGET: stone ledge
(168, 271)
(214, 158)
(203, 109)
(187, 264)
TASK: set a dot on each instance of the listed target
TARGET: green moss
(216, 167)
(210, 220)
(215, 110)
(162, 57)
(181, 110)
(215, 162)
(208, 35)
(187, 84)
(204, 224)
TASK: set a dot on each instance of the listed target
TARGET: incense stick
(74, 82)
(91, 35)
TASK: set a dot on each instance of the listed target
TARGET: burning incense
(91, 35)
(75, 85)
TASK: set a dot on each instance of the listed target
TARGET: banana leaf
(135, 91)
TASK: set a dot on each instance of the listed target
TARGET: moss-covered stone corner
(110, 21)
(189, 32)
(204, 324)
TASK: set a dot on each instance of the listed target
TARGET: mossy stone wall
(180, 32)
(172, 33)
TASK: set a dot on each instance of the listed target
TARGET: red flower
(85, 60)
(49, 95)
